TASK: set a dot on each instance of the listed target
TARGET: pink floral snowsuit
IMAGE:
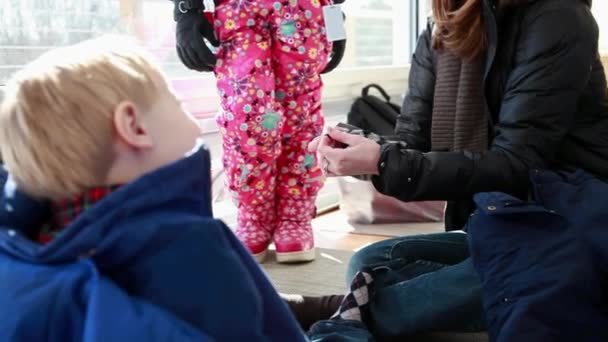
(267, 74)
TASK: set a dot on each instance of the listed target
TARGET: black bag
(374, 114)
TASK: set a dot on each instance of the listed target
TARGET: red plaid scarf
(66, 211)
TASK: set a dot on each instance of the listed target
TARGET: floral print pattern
(268, 79)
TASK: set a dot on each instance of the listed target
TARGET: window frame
(199, 93)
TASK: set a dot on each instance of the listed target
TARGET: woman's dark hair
(459, 27)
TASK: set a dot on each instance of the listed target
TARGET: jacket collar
(20, 212)
(183, 186)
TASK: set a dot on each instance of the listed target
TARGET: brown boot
(309, 310)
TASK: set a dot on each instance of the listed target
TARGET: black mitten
(190, 34)
(337, 51)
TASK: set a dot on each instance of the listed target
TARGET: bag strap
(381, 90)
(337, 53)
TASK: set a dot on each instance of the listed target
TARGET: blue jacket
(544, 263)
(146, 263)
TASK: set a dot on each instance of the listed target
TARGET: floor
(344, 241)
(334, 231)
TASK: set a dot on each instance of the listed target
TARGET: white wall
(600, 10)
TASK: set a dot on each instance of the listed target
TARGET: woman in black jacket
(496, 89)
(545, 89)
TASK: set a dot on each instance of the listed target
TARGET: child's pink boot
(293, 237)
(255, 230)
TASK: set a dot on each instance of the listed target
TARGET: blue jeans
(422, 283)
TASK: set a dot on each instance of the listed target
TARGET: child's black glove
(337, 51)
(191, 31)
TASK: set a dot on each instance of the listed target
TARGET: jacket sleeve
(414, 123)
(552, 63)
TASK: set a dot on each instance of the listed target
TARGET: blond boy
(106, 230)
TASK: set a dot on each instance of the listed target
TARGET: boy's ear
(130, 127)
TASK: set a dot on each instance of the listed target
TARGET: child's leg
(250, 121)
(300, 52)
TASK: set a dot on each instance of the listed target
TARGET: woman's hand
(359, 157)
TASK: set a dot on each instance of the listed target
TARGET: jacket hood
(103, 229)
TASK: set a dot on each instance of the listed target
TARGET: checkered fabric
(67, 210)
(354, 304)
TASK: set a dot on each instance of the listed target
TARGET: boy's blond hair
(56, 128)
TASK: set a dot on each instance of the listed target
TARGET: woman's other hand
(359, 157)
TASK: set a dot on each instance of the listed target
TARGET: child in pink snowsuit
(271, 53)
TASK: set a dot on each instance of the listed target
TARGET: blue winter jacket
(146, 263)
(544, 263)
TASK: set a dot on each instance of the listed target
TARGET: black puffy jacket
(546, 92)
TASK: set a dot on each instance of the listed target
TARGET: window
(381, 37)
(29, 28)
(377, 30)
(425, 12)
(600, 10)
(378, 39)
